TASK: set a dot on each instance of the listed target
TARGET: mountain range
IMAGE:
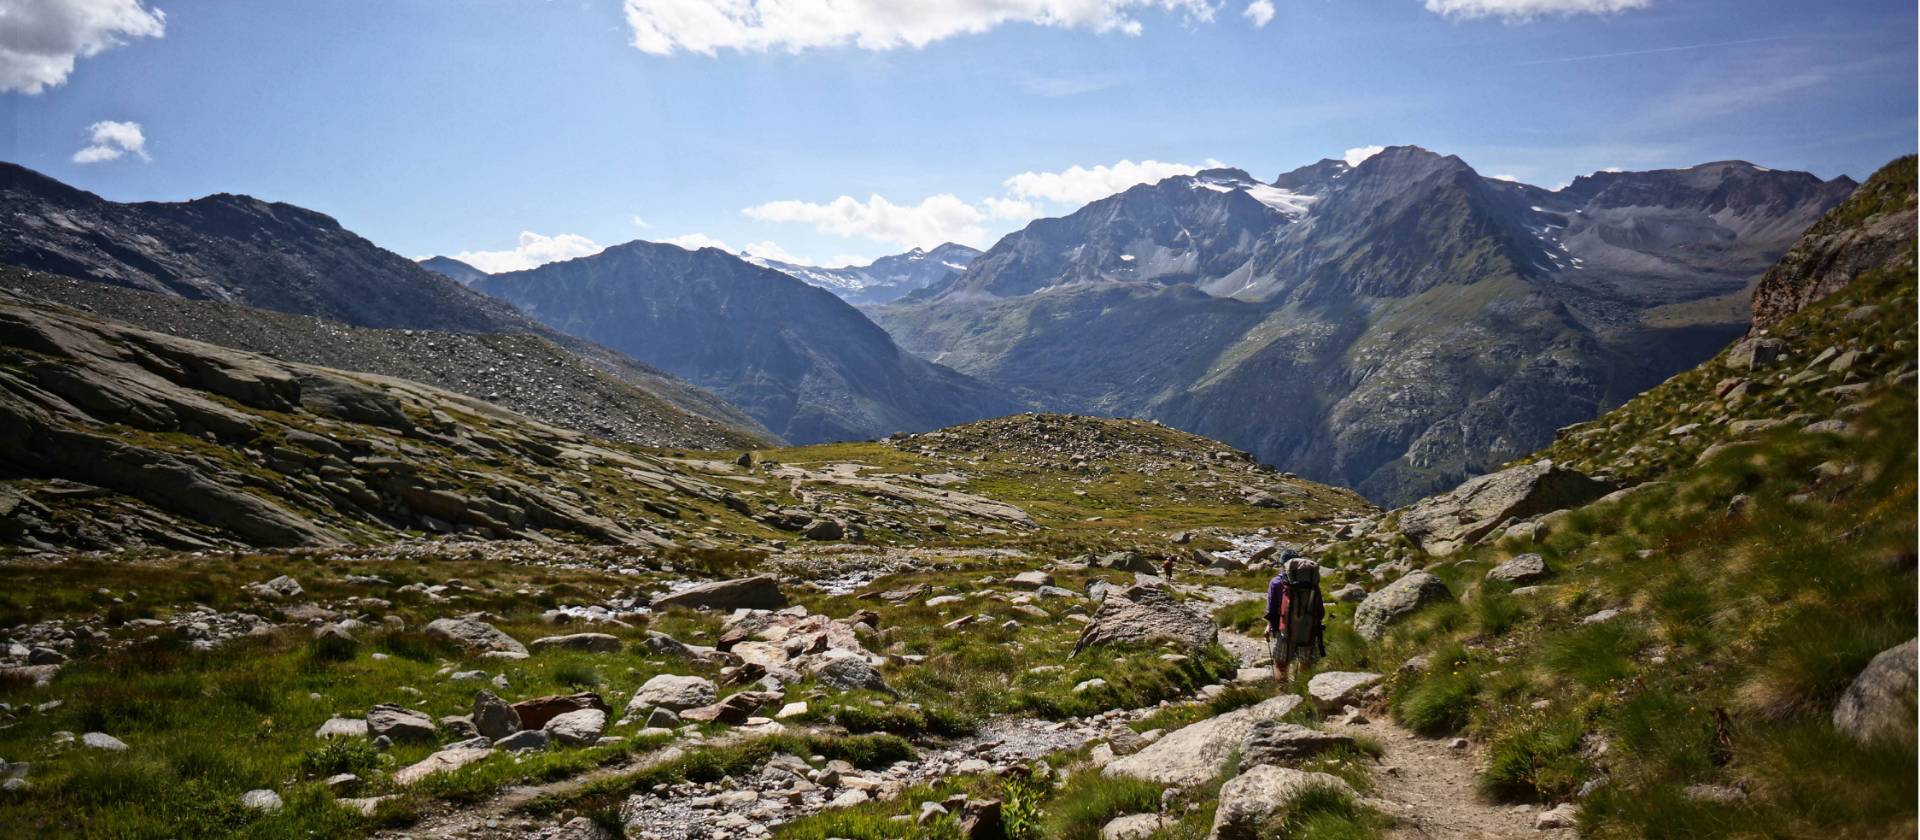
(224, 268)
(803, 362)
(1393, 326)
(884, 280)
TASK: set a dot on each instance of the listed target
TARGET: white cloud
(535, 250)
(640, 223)
(663, 27)
(1611, 169)
(772, 251)
(1525, 10)
(111, 140)
(935, 220)
(696, 241)
(1260, 12)
(1505, 177)
(1080, 184)
(1357, 154)
(41, 39)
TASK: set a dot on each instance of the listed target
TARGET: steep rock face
(1872, 229)
(804, 363)
(1394, 326)
(604, 394)
(240, 250)
(111, 436)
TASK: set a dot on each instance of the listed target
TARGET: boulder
(586, 642)
(525, 739)
(823, 529)
(444, 761)
(342, 728)
(1565, 815)
(673, 692)
(492, 717)
(399, 723)
(1880, 702)
(1396, 601)
(1195, 753)
(103, 741)
(1333, 690)
(261, 800)
(1124, 561)
(534, 713)
(1273, 742)
(760, 592)
(579, 728)
(1133, 827)
(475, 636)
(278, 589)
(1350, 593)
(846, 671)
(1146, 615)
(1443, 524)
(1521, 571)
(1251, 798)
(1030, 580)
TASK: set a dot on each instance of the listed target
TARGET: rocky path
(1424, 782)
(1430, 786)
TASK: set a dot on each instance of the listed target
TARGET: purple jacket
(1276, 599)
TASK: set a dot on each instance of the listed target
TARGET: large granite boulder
(476, 636)
(1521, 571)
(674, 692)
(1193, 754)
(1251, 798)
(1396, 601)
(1148, 615)
(399, 723)
(1880, 702)
(1274, 742)
(493, 717)
(760, 592)
(1442, 524)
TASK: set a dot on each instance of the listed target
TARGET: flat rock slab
(760, 592)
(444, 761)
(674, 692)
(475, 636)
(1194, 754)
(1274, 742)
(1333, 689)
(587, 642)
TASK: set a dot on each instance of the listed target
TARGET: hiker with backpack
(1296, 614)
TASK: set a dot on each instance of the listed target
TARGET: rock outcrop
(1249, 799)
(1194, 754)
(1396, 601)
(1873, 228)
(1145, 615)
(1443, 524)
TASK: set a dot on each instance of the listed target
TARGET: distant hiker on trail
(1296, 614)
(1166, 568)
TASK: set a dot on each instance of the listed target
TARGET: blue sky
(450, 127)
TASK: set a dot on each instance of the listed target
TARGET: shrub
(340, 755)
(1595, 654)
(1440, 703)
(1539, 761)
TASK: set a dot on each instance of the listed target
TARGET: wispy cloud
(1652, 51)
(1260, 12)
(1521, 11)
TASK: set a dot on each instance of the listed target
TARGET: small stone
(261, 800)
(103, 741)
